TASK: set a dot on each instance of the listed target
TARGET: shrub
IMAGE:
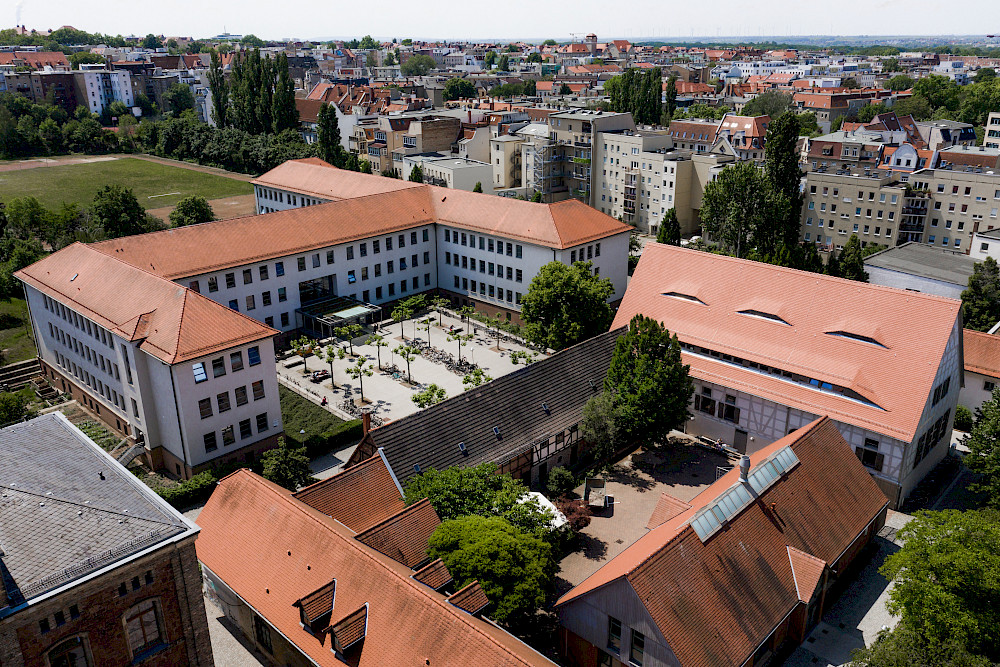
(324, 431)
(561, 482)
(577, 513)
(963, 419)
(190, 492)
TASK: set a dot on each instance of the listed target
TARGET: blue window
(253, 354)
(234, 304)
(279, 268)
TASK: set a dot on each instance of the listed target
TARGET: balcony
(581, 160)
(582, 144)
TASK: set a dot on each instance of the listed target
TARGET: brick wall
(176, 585)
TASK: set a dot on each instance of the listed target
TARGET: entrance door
(740, 441)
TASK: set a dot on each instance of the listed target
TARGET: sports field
(155, 185)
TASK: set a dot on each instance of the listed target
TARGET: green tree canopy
(947, 579)
(781, 164)
(904, 647)
(869, 111)
(984, 75)
(900, 82)
(432, 395)
(670, 229)
(637, 92)
(742, 210)
(417, 65)
(368, 42)
(771, 103)
(416, 174)
(850, 82)
(981, 299)
(481, 490)
(516, 570)
(599, 426)
(118, 212)
(178, 98)
(286, 465)
(458, 88)
(566, 304)
(151, 41)
(939, 91)
(650, 386)
(84, 58)
(504, 63)
(564, 89)
(191, 211)
(328, 136)
(851, 261)
(984, 449)
(252, 41)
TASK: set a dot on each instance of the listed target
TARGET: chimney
(366, 421)
(744, 468)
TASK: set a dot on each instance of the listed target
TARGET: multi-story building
(981, 355)
(451, 172)
(505, 155)
(376, 241)
(876, 208)
(96, 568)
(991, 136)
(96, 89)
(741, 136)
(190, 380)
(961, 203)
(386, 140)
(771, 349)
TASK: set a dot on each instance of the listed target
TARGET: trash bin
(609, 501)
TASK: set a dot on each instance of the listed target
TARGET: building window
(247, 276)
(253, 355)
(869, 455)
(315, 261)
(638, 649)
(265, 299)
(262, 422)
(302, 263)
(263, 271)
(989, 386)
(205, 408)
(72, 652)
(230, 280)
(258, 390)
(282, 294)
(614, 634)
(227, 436)
(218, 367)
(213, 284)
(142, 624)
(284, 319)
(194, 286)
(262, 633)
(223, 401)
(279, 268)
(199, 372)
(210, 444)
(241, 395)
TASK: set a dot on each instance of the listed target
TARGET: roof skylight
(763, 315)
(684, 297)
(858, 337)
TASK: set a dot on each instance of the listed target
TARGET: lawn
(155, 185)
(323, 430)
(15, 342)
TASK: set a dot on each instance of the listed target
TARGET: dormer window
(750, 312)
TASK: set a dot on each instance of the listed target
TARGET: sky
(515, 19)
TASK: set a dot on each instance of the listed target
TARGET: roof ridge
(390, 519)
(75, 503)
(409, 581)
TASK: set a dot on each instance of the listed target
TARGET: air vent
(763, 315)
(858, 337)
(545, 409)
(416, 467)
(684, 297)
(496, 431)
(462, 448)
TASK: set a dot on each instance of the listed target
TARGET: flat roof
(925, 261)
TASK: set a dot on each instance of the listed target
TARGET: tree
(284, 113)
(903, 647)
(332, 353)
(984, 75)
(416, 174)
(807, 124)
(303, 347)
(482, 490)
(566, 304)
(771, 103)
(390, 59)
(938, 90)
(84, 58)
(947, 579)
(781, 163)
(599, 426)
(368, 42)
(963, 419)
(984, 449)
(475, 378)
(478, 187)
(742, 210)
(359, 371)
(504, 63)
(852, 264)
(537, 197)
(252, 41)
(328, 136)
(178, 98)
(219, 88)
(425, 324)
(118, 212)
(286, 466)
(378, 342)
(151, 42)
(432, 395)
(349, 333)
(462, 339)
(407, 354)
(560, 483)
(671, 97)
(549, 42)
(516, 570)
(489, 59)
(534, 57)
(564, 89)
(458, 88)
(650, 385)
(400, 314)
(890, 65)
(418, 65)
(850, 83)
(670, 229)
(869, 111)
(899, 82)
(439, 303)
(191, 211)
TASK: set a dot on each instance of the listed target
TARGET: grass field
(155, 185)
(14, 338)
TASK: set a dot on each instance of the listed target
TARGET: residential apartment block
(991, 138)
(96, 568)
(190, 380)
(383, 239)
(771, 349)
(386, 140)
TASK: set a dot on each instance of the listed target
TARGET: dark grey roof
(926, 261)
(564, 383)
(59, 520)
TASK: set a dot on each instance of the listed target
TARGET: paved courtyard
(682, 470)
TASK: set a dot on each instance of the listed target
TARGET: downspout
(177, 411)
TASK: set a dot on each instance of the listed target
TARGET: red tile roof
(404, 536)
(471, 598)
(287, 549)
(982, 352)
(358, 497)
(316, 178)
(896, 375)
(173, 323)
(435, 574)
(36, 59)
(667, 507)
(807, 570)
(715, 601)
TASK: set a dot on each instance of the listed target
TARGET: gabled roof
(173, 323)
(435, 574)
(403, 537)
(316, 178)
(513, 403)
(982, 353)
(287, 550)
(667, 507)
(471, 598)
(894, 374)
(715, 600)
(807, 570)
(359, 497)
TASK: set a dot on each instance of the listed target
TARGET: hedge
(324, 431)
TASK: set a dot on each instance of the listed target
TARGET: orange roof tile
(982, 352)
(807, 570)
(816, 309)
(316, 178)
(471, 598)
(711, 614)
(358, 497)
(403, 537)
(287, 549)
(435, 574)
(667, 507)
(173, 323)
